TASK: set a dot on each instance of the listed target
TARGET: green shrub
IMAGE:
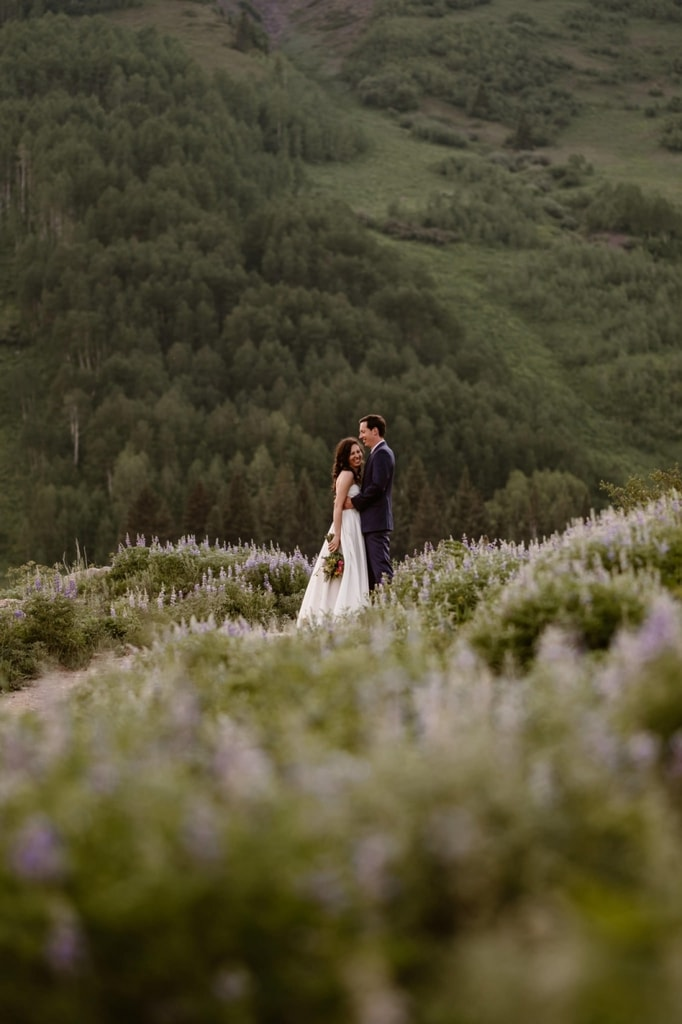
(391, 88)
(447, 583)
(639, 490)
(19, 658)
(590, 611)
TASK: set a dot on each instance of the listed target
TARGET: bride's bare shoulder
(344, 480)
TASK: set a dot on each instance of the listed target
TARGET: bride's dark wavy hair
(341, 460)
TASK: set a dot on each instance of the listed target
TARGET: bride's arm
(343, 484)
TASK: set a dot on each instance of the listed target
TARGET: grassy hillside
(500, 275)
(618, 69)
(615, 83)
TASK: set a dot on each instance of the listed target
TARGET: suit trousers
(378, 548)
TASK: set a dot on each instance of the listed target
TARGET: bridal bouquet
(332, 564)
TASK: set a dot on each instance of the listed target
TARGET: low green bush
(51, 629)
(589, 608)
(65, 618)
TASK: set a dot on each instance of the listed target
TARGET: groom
(374, 502)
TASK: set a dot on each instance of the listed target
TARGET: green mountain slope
(621, 72)
(382, 205)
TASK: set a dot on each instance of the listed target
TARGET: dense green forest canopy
(187, 326)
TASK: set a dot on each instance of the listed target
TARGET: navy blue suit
(374, 503)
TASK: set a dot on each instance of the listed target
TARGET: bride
(349, 590)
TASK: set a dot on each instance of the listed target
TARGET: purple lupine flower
(65, 946)
(659, 630)
(238, 627)
(643, 749)
(37, 853)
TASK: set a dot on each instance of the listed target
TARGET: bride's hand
(333, 544)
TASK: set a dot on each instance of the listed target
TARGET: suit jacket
(375, 500)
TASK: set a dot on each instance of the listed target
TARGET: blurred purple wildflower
(37, 853)
(659, 631)
(65, 947)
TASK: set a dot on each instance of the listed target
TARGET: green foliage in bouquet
(333, 563)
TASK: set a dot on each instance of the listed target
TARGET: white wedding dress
(338, 597)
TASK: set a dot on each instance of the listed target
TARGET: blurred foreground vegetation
(462, 804)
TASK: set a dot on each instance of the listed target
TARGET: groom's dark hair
(374, 420)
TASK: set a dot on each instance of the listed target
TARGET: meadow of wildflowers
(462, 806)
(54, 615)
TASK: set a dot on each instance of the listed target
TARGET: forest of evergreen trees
(185, 332)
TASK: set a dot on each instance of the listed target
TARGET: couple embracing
(356, 555)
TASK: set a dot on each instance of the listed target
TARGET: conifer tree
(148, 516)
(307, 516)
(468, 514)
(406, 495)
(429, 523)
(239, 520)
(197, 511)
(282, 510)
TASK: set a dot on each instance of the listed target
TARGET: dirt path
(43, 694)
(53, 688)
